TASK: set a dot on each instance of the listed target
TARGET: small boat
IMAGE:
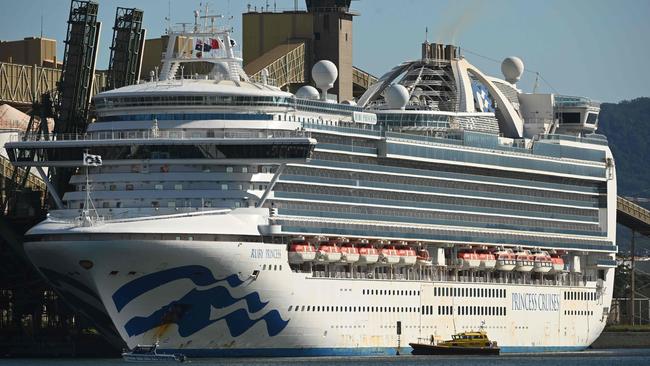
(328, 252)
(148, 353)
(349, 253)
(468, 259)
(388, 255)
(488, 260)
(505, 260)
(368, 254)
(524, 261)
(300, 252)
(465, 343)
(406, 254)
(543, 263)
(558, 263)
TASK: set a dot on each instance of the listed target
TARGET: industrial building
(30, 51)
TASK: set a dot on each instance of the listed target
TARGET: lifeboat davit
(524, 261)
(368, 254)
(349, 253)
(468, 259)
(505, 260)
(488, 260)
(543, 263)
(328, 252)
(557, 263)
(301, 252)
(423, 258)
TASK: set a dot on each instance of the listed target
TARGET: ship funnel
(439, 52)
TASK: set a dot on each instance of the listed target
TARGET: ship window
(592, 118)
(244, 169)
(569, 117)
(178, 187)
(275, 267)
(229, 169)
(159, 187)
(290, 306)
(224, 187)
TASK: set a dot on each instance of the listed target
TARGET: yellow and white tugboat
(464, 343)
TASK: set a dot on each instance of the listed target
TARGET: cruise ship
(218, 215)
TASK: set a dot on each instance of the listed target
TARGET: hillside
(627, 127)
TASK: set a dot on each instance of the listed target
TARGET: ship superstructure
(232, 218)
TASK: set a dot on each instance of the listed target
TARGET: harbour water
(627, 357)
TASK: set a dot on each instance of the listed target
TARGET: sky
(594, 48)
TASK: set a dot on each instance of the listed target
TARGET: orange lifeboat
(524, 261)
(368, 254)
(349, 253)
(328, 252)
(407, 256)
(388, 255)
(557, 263)
(300, 252)
(543, 262)
(467, 259)
(488, 260)
(505, 260)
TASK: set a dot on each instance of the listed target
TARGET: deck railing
(152, 135)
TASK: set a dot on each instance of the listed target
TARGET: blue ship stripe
(201, 276)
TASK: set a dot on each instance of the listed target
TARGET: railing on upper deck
(153, 135)
(591, 139)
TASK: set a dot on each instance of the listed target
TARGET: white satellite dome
(512, 68)
(307, 92)
(396, 96)
(324, 74)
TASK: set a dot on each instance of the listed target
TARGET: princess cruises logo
(192, 312)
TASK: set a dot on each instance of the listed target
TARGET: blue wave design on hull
(192, 312)
(200, 275)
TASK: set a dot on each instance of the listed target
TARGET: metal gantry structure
(127, 48)
(637, 219)
(78, 67)
(75, 86)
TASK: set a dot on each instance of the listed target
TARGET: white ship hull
(212, 298)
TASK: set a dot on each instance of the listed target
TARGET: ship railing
(595, 139)
(495, 277)
(166, 135)
(258, 78)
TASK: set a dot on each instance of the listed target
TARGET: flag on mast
(92, 160)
